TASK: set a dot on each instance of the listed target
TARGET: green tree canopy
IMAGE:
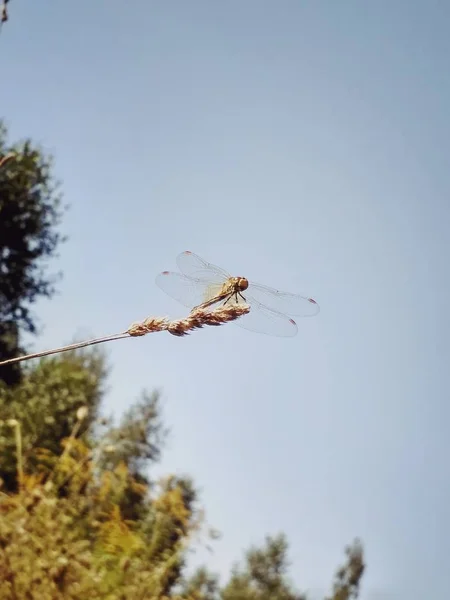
(30, 212)
(263, 575)
(81, 517)
(45, 402)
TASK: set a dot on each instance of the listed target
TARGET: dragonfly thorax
(239, 284)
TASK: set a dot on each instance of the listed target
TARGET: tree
(30, 212)
(45, 403)
(348, 577)
(81, 516)
(137, 442)
(263, 575)
(79, 545)
(93, 525)
(202, 585)
(139, 437)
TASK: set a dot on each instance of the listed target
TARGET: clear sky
(305, 145)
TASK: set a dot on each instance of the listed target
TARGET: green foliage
(139, 437)
(30, 211)
(80, 518)
(263, 576)
(136, 442)
(201, 586)
(79, 545)
(68, 526)
(45, 402)
(348, 578)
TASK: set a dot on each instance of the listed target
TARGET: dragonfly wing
(192, 265)
(189, 291)
(264, 320)
(291, 304)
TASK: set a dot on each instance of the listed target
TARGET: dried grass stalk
(196, 319)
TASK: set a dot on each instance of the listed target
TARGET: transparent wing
(292, 304)
(187, 290)
(283, 302)
(191, 292)
(264, 320)
(192, 265)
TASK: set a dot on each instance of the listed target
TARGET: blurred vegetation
(30, 212)
(80, 515)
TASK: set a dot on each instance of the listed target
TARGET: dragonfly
(200, 284)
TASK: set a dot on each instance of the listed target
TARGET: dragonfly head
(242, 283)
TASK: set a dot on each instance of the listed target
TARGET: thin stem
(75, 469)
(70, 440)
(19, 454)
(108, 338)
(197, 318)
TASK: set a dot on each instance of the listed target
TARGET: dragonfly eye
(242, 283)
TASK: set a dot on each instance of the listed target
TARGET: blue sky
(305, 145)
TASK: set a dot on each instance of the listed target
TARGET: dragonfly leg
(227, 300)
(234, 295)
